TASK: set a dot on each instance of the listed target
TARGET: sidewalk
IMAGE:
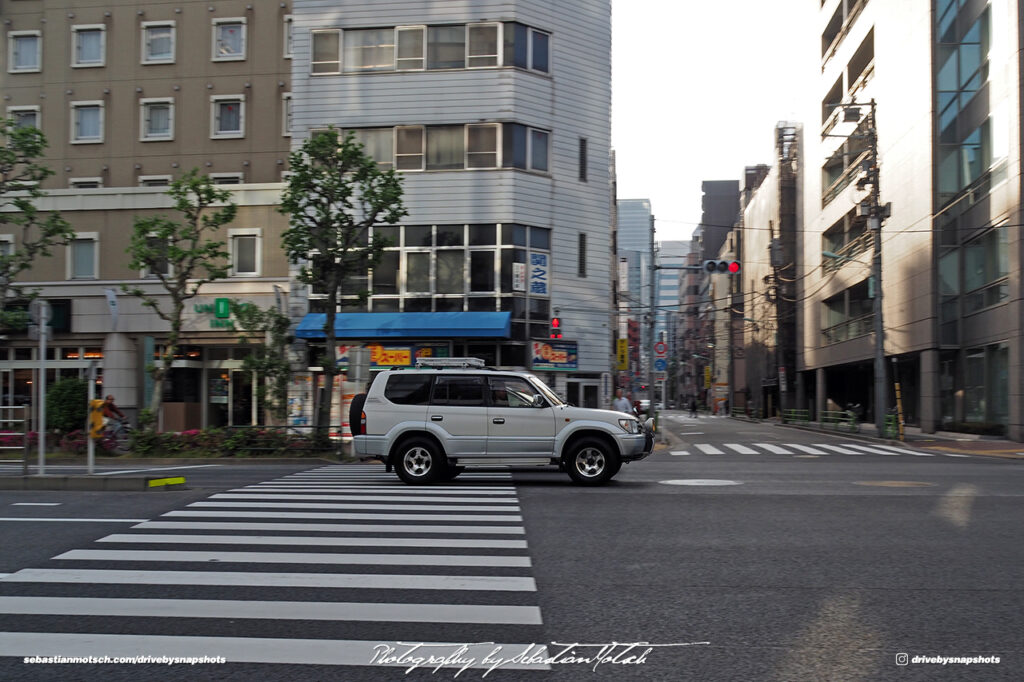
(942, 441)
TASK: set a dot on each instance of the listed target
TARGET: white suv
(431, 422)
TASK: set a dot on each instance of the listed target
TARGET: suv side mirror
(538, 400)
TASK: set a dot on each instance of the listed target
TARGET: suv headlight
(630, 425)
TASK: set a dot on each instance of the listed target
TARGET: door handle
(436, 418)
(498, 420)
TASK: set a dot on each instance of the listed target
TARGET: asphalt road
(737, 550)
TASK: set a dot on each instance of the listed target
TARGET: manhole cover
(895, 484)
(699, 481)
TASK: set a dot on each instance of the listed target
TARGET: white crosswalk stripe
(774, 449)
(871, 449)
(742, 449)
(806, 448)
(842, 450)
(338, 529)
(708, 449)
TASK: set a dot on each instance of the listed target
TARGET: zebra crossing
(345, 560)
(799, 449)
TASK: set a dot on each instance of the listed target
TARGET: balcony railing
(849, 329)
(847, 252)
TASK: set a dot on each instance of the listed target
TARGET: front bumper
(635, 447)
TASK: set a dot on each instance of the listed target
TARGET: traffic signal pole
(652, 318)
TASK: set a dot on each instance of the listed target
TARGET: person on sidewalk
(621, 403)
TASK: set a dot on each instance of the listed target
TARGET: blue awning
(457, 325)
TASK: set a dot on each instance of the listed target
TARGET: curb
(85, 482)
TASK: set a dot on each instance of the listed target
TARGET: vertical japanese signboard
(539, 274)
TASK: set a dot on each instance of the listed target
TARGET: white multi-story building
(945, 80)
(496, 114)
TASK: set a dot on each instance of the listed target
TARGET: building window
(409, 150)
(286, 114)
(482, 146)
(446, 47)
(583, 159)
(228, 39)
(245, 247)
(83, 256)
(227, 113)
(581, 263)
(154, 180)
(369, 50)
(538, 150)
(411, 48)
(986, 265)
(326, 51)
(482, 45)
(289, 36)
(445, 147)
(161, 263)
(85, 183)
(481, 272)
(227, 178)
(89, 45)
(86, 122)
(378, 144)
(6, 245)
(24, 51)
(158, 42)
(24, 117)
(156, 117)
(539, 51)
(524, 147)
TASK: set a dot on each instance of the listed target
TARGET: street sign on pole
(660, 348)
(660, 364)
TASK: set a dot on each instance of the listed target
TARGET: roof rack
(430, 363)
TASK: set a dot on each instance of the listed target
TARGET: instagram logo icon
(902, 659)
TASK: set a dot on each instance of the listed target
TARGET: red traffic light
(734, 267)
(556, 328)
(730, 266)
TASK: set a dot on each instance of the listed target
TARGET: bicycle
(117, 437)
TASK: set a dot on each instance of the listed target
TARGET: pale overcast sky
(697, 88)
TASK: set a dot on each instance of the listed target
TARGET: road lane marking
(488, 614)
(774, 449)
(254, 649)
(351, 505)
(699, 482)
(364, 498)
(15, 518)
(871, 449)
(397, 488)
(708, 449)
(348, 517)
(36, 504)
(741, 449)
(312, 541)
(805, 448)
(838, 448)
(399, 581)
(679, 453)
(139, 471)
(955, 505)
(333, 558)
(329, 527)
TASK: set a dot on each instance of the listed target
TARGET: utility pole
(652, 317)
(875, 214)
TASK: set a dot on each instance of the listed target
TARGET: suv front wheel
(591, 462)
(418, 462)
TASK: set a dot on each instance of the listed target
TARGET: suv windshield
(548, 393)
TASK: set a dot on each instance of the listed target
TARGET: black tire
(355, 413)
(418, 462)
(450, 472)
(591, 461)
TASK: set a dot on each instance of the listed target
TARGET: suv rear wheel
(591, 462)
(418, 462)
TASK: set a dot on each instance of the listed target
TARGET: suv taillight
(362, 423)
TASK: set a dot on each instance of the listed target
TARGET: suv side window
(458, 390)
(408, 389)
(511, 392)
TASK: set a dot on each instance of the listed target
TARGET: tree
(269, 357)
(67, 405)
(182, 257)
(334, 195)
(20, 177)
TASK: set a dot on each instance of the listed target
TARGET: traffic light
(556, 327)
(731, 267)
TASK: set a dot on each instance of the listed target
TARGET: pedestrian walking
(621, 403)
(693, 408)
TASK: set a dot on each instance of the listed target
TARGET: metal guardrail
(840, 420)
(796, 416)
